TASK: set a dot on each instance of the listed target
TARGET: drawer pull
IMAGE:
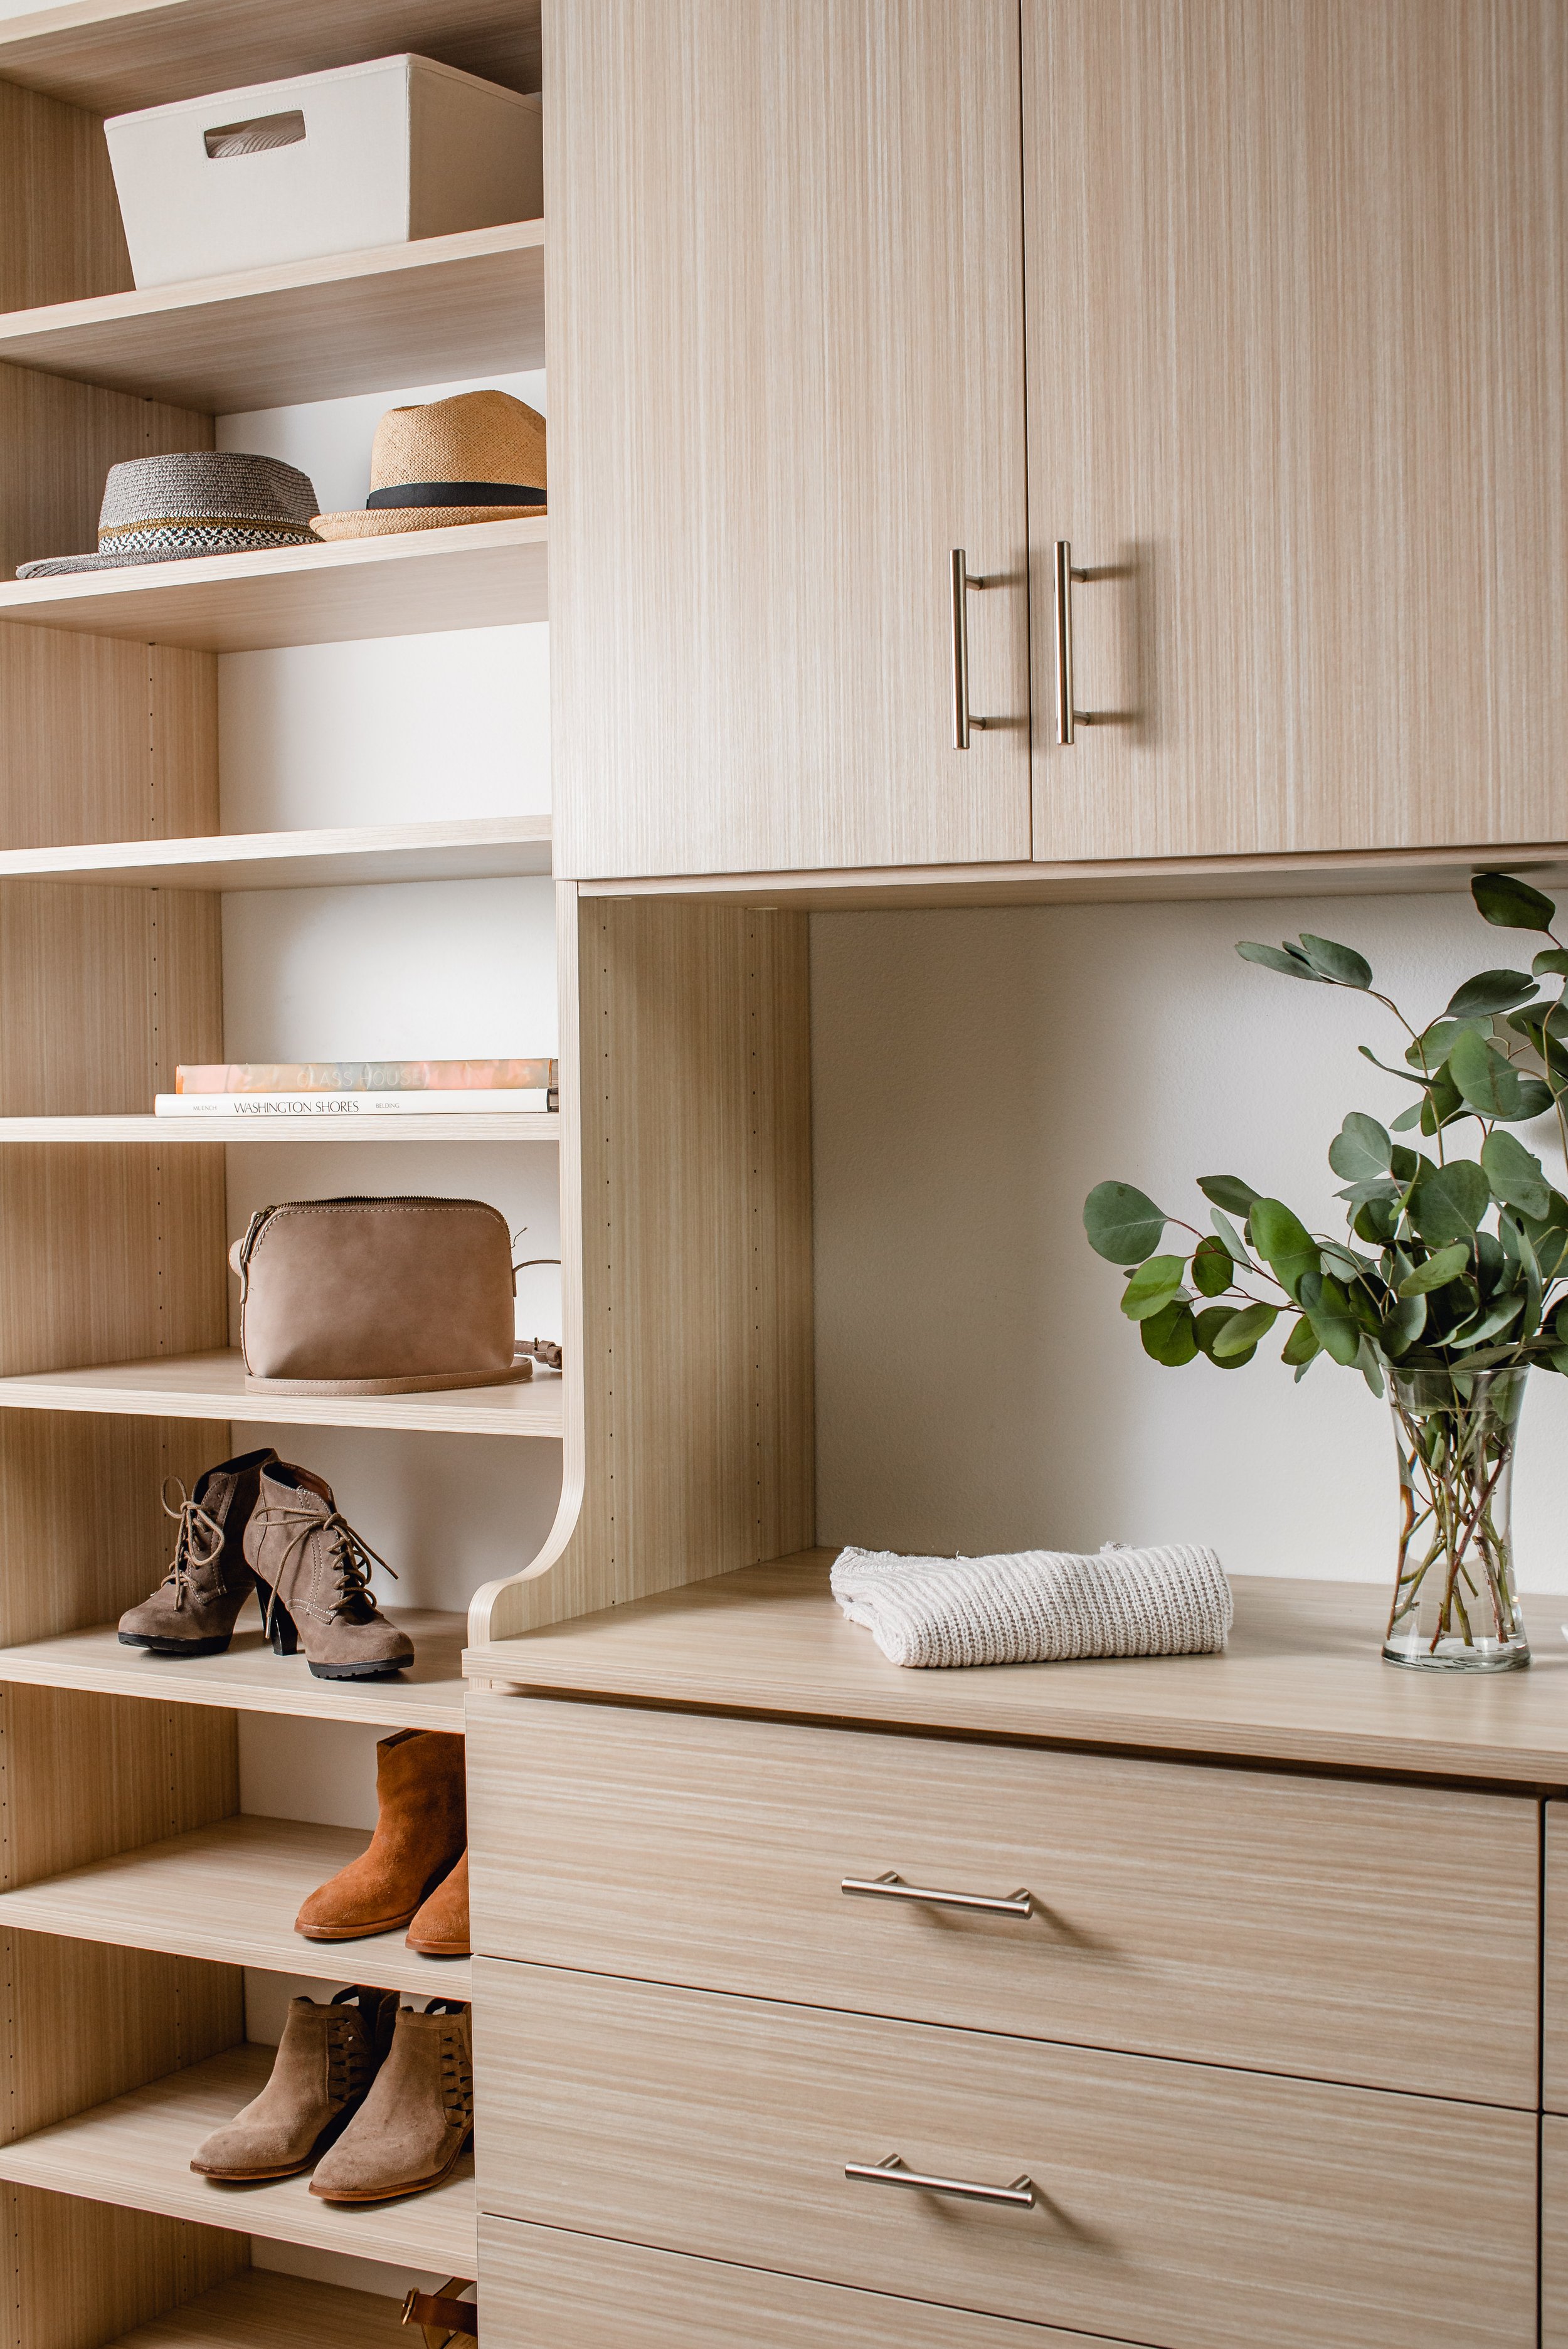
(895, 2171)
(893, 1886)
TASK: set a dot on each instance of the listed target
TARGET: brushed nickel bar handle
(986, 1904)
(964, 579)
(895, 2171)
(1065, 574)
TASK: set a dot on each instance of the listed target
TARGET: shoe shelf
(229, 1893)
(112, 55)
(473, 848)
(260, 2310)
(449, 1126)
(212, 1386)
(486, 574)
(250, 1679)
(439, 309)
(136, 2151)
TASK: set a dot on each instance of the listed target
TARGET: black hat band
(454, 493)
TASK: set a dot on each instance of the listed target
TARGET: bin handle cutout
(256, 137)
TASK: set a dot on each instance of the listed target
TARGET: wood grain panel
(1298, 344)
(1221, 1915)
(1178, 2204)
(1302, 1680)
(88, 2022)
(686, 1154)
(436, 310)
(89, 1775)
(578, 2292)
(1554, 1963)
(85, 2271)
(60, 233)
(57, 441)
(261, 2310)
(116, 55)
(1553, 2232)
(764, 459)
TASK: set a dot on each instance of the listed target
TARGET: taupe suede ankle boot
(325, 2062)
(314, 1577)
(421, 1830)
(410, 2131)
(192, 1612)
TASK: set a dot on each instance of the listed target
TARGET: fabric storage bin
(329, 162)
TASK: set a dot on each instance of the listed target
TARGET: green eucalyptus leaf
(1487, 1082)
(1447, 1202)
(1516, 1175)
(1376, 1221)
(1303, 1344)
(1436, 1272)
(1123, 1224)
(1285, 959)
(1207, 1327)
(1361, 1151)
(1228, 1191)
(1213, 1267)
(1245, 1330)
(1534, 1101)
(1233, 1239)
(1370, 1367)
(1342, 964)
(1284, 1242)
(1491, 991)
(1487, 1325)
(1169, 1336)
(1328, 1309)
(1406, 1164)
(1407, 1118)
(1443, 1104)
(1434, 1044)
(1403, 1324)
(1356, 1194)
(1510, 903)
(1552, 963)
(1152, 1286)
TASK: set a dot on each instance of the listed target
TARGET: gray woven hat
(210, 502)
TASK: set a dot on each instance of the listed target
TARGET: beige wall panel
(1221, 1916)
(91, 2022)
(58, 440)
(763, 459)
(60, 233)
(87, 1776)
(1174, 2203)
(88, 2271)
(1298, 377)
(692, 1160)
(105, 989)
(104, 740)
(578, 2292)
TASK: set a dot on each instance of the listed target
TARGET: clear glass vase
(1456, 1603)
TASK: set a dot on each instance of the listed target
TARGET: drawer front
(1175, 2204)
(1334, 1929)
(579, 2291)
(1553, 2232)
(1554, 1970)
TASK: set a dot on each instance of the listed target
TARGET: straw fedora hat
(206, 502)
(477, 457)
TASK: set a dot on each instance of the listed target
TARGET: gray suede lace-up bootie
(326, 2061)
(192, 1612)
(313, 1572)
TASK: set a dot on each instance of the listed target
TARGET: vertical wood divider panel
(60, 233)
(685, 1166)
(86, 2273)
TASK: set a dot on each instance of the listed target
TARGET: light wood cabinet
(786, 374)
(1298, 395)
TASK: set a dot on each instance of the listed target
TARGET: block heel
(283, 1631)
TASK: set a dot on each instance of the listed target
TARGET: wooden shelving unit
(135, 2150)
(265, 2311)
(214, 1387)
(228, 1893)
(437, 310)
(444, 1126)
(251, 1679)
(486, 574)
(475, 848)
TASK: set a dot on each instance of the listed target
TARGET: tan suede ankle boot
(313, 1572)
(421, 1830)
(325, 2062)
(440, 1929)
(192, 1612)
(411, 2130)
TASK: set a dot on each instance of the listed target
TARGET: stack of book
(258, 1089)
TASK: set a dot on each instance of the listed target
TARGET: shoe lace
(351, 1559)
(457, 2070)
(198, 1543)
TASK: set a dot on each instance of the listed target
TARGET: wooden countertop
(1302, 1681)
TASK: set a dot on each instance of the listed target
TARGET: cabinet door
(786, 380)
(1298, 364)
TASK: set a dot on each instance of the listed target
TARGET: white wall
(974, 1074)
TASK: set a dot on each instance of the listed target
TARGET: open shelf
(432, 311)
(260, 2310)
(212, 1386)
(112, 55)
(136, 2151)
(474, 848)
(484, 574)
(229, 1893)
(251, 1679)
(446, 1125)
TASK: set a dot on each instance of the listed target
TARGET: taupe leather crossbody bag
(376, 1296)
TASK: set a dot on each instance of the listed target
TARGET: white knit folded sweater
(1036, 1605)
